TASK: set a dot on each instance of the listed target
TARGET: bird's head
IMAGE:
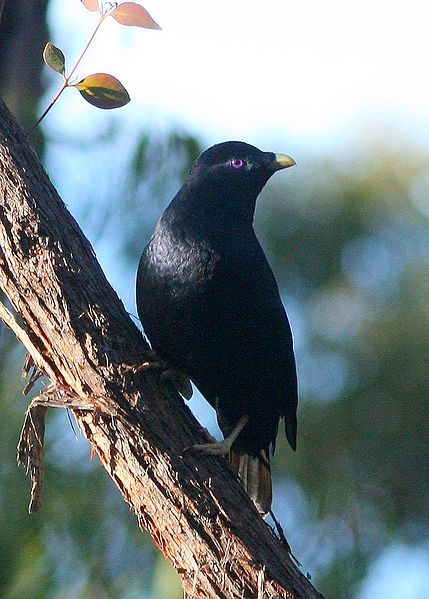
(236, 167)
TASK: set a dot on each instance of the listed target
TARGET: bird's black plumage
(209, 302)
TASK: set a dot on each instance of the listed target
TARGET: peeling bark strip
(80, 336)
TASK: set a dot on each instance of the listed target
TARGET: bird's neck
(218, 207)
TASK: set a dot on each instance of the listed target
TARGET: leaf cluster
(99, 89)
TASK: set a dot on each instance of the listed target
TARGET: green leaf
(103, 91)
(91, 5)
(130, 13)
(54, 58)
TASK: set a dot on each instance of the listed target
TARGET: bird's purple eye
(237, 163)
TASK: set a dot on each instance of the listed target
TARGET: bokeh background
(343, 88)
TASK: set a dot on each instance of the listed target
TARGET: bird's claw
(179, 381)
(152, 361)
(135, 368)
(218, 448)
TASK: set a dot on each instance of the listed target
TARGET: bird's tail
(254, 473)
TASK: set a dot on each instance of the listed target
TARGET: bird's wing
(246, 347)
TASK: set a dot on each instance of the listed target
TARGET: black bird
(210, 306)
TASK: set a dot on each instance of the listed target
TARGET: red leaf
(91, 5)
(130, 13)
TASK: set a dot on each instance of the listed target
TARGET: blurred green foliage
(349, 242)
(350, 245)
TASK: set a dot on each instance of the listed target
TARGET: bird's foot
(217, 448)
(179, 381)
(152, 361)
(221, 447)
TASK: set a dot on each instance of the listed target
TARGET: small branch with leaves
(99, 89)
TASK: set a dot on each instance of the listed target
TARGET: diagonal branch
(80, 336)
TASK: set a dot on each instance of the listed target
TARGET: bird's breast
(181, 267)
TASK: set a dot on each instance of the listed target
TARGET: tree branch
(80, 336)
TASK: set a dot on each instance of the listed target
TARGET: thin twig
(66, 82)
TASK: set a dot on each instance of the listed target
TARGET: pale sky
(307, 70)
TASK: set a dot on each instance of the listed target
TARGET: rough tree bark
(79, 335)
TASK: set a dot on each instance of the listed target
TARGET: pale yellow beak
(284, 161)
